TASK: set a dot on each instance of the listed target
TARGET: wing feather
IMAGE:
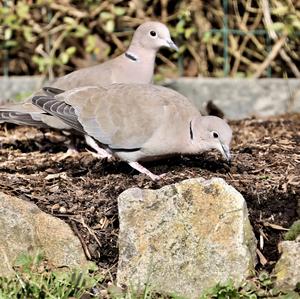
(52, 91)
(59, 109)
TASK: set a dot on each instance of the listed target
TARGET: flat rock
(184, 238)
(287, 269)
(24, 228)
(240, 98)
(236, 97)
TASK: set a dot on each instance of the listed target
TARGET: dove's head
(211, 132)
(153, 35)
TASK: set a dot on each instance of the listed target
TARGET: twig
(195, 55)
(275, 226)
(272, 55)
(117, 42)
(166, 60)
(91, 232)
(85, 248)
(262, 258)
(245, 60)
(99, 9)
(68, 9)
(269, 25)
(164, 10)
(247, 37)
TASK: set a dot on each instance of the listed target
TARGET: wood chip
(275, 226)
(261, 257)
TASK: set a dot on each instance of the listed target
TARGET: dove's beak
(226, 152)
(172, 45)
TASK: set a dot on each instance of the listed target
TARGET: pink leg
(71, 152)
(144, 170)
(101, 153)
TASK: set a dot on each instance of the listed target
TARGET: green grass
(293, 232)
(34, 280)
(22, 96)
(255, 288)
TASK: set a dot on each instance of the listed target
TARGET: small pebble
(62, 210)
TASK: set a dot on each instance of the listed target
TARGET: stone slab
(240, 98)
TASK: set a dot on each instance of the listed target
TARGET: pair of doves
(120, 113)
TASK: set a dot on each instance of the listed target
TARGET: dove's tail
(8, 115)
(19, 118)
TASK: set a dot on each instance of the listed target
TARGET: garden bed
(82, 190)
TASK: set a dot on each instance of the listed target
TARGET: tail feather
(20, 118)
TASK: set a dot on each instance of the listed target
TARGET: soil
(82, 190)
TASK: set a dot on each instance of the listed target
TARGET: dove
(138, 122)
(136, 65)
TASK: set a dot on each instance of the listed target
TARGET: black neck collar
(191, 131)
(130, 56)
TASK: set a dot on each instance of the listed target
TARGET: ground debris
(82, 190)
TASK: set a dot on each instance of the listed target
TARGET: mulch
(82, 190)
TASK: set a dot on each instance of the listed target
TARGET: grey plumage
(121, 69)
(138, 122)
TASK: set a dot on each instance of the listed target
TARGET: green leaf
(42, 62)
(296, 24)
(8, 33)
(119, 11)
(280, 11)
(189, 31)
(180, 26)
(10, 20)
(106, 16)
(90, 43)
(64, 57)
(240, 75)
(81, 30)
(10, 44)
(278, 26)
(71, 50)
(4, 10)
(70, 21)
(218, 36)
(109, 26)
(206, 37)
(27, 32)
(22, 10)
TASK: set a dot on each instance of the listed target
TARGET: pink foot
(137, 166)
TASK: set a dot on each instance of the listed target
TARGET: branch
(269, 25)
(272, 55)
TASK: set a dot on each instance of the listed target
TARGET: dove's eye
(152, 33)
(215, 134)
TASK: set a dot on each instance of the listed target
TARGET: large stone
(184, 238)
(24, 228)
(287, 269)
(240, 98)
